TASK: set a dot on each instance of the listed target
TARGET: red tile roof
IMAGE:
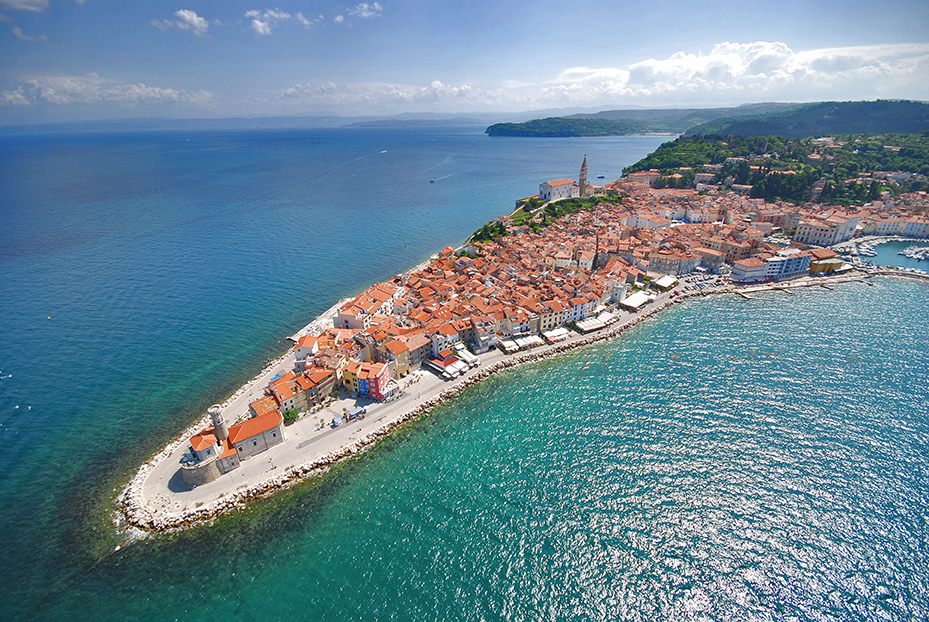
(255, 426)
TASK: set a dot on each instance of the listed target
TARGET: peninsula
(576, 264)
(788, 120)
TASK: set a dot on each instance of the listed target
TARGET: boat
(601, 176)
(915, 252)
(431, 181)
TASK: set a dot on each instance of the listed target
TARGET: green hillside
(620, 122)
(844, 170)
(767, 119)
(563, 127)
(826, 118)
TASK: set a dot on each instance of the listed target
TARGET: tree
(291, 415)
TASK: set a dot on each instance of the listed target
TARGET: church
(559, 189)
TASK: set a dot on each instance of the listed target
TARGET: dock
(745, 296)
(786, 290)
(824, 286)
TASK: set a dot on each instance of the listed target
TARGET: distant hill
(826, 118)
(621, 122)
(566, 126)
(690, 116)
(248, 123)
(418, 122)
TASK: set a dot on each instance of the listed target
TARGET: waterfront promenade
(157, 499)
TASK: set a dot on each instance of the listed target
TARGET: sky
(72, 60)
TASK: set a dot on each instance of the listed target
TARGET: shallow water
(729, 459)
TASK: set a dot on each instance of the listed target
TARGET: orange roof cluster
(577, 260)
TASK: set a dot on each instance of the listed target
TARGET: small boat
(601, 176)
(431, 181)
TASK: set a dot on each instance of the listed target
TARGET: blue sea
(730, 459)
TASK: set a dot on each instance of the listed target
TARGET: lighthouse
(220, 431)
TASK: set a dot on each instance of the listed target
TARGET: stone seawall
(200, 474)
(130, 503)
(131, 507)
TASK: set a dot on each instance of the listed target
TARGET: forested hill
(564, 127)
(826, 118)
(844, 169)
(621, 122)
(768, 119)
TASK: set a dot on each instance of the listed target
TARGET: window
(254, 443)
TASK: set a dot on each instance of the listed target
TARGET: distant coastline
(788, 120)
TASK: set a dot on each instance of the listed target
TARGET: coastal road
(165, 495)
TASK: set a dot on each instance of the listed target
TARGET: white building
(558, 189)
(826, 232)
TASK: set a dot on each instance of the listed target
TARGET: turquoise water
(713, 463)
(730, 459)
(888, 255)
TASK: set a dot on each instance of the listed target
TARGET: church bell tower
(582, 180)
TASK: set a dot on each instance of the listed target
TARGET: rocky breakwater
(154, 518)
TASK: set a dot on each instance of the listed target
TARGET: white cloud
(25, 5)
(188, 20)
(13, 98)
(18, 33)
(91, 89)
(749, 72)
(726, 74)
(361, 96)
(262, 21)
(367, 10)
(5, 18)
(306, 22)
(260, 27)
(338, 19)
(276, 14)
(193, 21)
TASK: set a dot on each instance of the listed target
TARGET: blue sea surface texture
(730, 459)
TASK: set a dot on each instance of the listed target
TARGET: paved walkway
(165, 495)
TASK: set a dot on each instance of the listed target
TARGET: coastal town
(539, 285)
